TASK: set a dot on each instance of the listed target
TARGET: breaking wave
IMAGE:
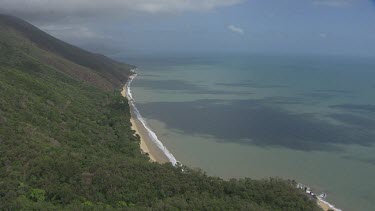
(150, 133)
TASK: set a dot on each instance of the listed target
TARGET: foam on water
(150, 133)
(328, 204)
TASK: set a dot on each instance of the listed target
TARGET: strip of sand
(147, 145)
(326, 206)
(143, 145)
(322, 205)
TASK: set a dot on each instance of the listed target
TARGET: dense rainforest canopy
(66, 140)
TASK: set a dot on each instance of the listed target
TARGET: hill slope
(66, 141)
(65, 57)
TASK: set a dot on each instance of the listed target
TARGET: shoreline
(326, 206)
(157, 152)
(320, 199)
(149, 143)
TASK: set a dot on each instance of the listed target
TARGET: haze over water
(307, 118)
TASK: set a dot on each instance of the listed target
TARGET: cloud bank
(236, 29)
(32, 9)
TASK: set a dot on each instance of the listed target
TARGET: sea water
(307, 118)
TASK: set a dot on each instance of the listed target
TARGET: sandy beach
(323, 205)
(147, 145)
(326, 206)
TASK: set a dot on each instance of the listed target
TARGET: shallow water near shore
(306, 118)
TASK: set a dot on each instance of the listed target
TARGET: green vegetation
(66, 140)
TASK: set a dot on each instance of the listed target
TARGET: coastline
(320, 199)
(326, 206)
(157, 152)
(143, 145)
(149, 144)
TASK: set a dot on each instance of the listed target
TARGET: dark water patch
(318, 95)
(354, 120)
(355, 107)
(254, 122)
(337, 91)
(284, 100)
(219, 92)
(182, 86)
(251, 84)
(327, 94)
(299, 67)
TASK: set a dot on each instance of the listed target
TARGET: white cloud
(332, 3)
(76, 19)
(87, 8)
(236, 29)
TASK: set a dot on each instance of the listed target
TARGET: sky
(338, 27)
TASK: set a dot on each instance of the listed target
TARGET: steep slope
(60, 53)
(66, 142)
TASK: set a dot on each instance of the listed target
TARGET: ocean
(306, 118)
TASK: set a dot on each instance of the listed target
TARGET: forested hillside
(66, 140)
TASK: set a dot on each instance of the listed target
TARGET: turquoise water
(306, 118)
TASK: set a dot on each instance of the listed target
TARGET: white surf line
(150, 133)
(319, 198)
(331, 206)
